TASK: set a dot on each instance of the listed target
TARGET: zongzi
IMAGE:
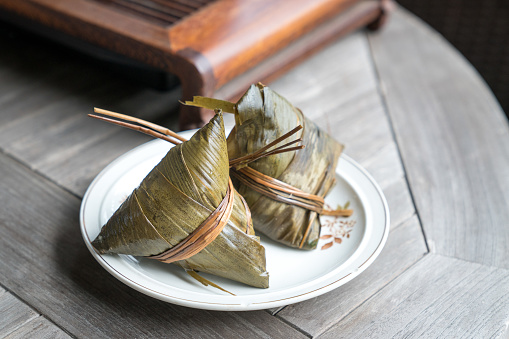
(169, 214)
(284, 191)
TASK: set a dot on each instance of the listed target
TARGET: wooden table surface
(408, 107)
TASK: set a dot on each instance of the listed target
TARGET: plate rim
(224, 306)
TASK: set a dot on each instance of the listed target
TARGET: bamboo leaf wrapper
(261, 116)
(175, 198)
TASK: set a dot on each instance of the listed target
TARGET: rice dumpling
(284, 191)
(164, 216)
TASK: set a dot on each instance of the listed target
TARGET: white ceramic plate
(295, 275)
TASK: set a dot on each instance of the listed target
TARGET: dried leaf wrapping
(175, 198)
(261, 116)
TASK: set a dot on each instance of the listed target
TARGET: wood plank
(439, 297)
(343, 98)
(14, 313)
(79, 169)
(400, 203)
(340, 73)
(39, 328)
(363, 128)
(338, 89)
(453, 138)
(19, 320)
(404, 247)
(44, 119)
(44, 261)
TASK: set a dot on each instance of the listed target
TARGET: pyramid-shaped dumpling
(175, 198)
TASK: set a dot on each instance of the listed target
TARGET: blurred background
(479, 29)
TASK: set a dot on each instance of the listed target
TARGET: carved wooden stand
(209, 45)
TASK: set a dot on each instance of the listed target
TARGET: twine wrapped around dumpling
(186, 211)
(285, 192)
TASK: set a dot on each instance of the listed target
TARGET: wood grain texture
(400, 202)
(39, 328)
(319, 90)
(278, 64)
(453, 138)
(163, 12)
(14, 313)
(404, 247)
(343, 99)
(439, 297)
(43, 120)
(44, 261)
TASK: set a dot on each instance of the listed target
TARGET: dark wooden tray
(209, 45)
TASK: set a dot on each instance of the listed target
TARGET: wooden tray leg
(386, 7)
(196, 78)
